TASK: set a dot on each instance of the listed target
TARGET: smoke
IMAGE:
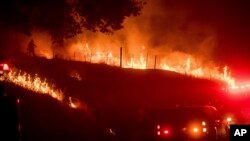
(165, 28)
(172, 35)
(169, 27)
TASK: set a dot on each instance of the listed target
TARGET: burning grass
(40, 86)
(141, 57)
(34, 83)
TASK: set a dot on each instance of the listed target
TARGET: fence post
(155, 61)
(121, 57)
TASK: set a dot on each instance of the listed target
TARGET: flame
(36, 84)
(181, 63)
(137, 63)
(73, 103)
(76, 76)
(185, 65)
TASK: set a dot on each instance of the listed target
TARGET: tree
(66, 18)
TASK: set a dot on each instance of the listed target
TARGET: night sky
(230, 19)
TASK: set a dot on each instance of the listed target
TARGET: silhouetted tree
(66, 18)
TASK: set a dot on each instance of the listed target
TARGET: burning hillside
(146, 58)
(162, 37)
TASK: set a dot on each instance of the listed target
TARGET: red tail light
(6, 67)
(162, 131)
(159, 133)
(166, 132)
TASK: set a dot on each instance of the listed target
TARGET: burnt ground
(117, 98)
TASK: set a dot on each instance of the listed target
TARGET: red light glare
(18, 101)
(158, 133)
(166, 132)
(6, 67)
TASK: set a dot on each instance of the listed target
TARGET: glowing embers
(74, 103)
(76, 76)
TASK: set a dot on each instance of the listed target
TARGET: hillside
(100, 86)
(115, 97)
(96, 81)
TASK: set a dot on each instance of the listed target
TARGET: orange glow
(203, 123)
(137, 63)
(141, 57)
(229, 119)
(195, 130)
(204, 130)
(73, 103)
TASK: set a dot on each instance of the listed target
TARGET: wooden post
(90, 59)
(155, 62)
(121, 57)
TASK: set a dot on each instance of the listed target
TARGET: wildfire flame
(36, 84)
(140, 58)
(187, 65)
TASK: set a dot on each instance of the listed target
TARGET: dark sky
(231, 21)
(233, 34)
(232, 24)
